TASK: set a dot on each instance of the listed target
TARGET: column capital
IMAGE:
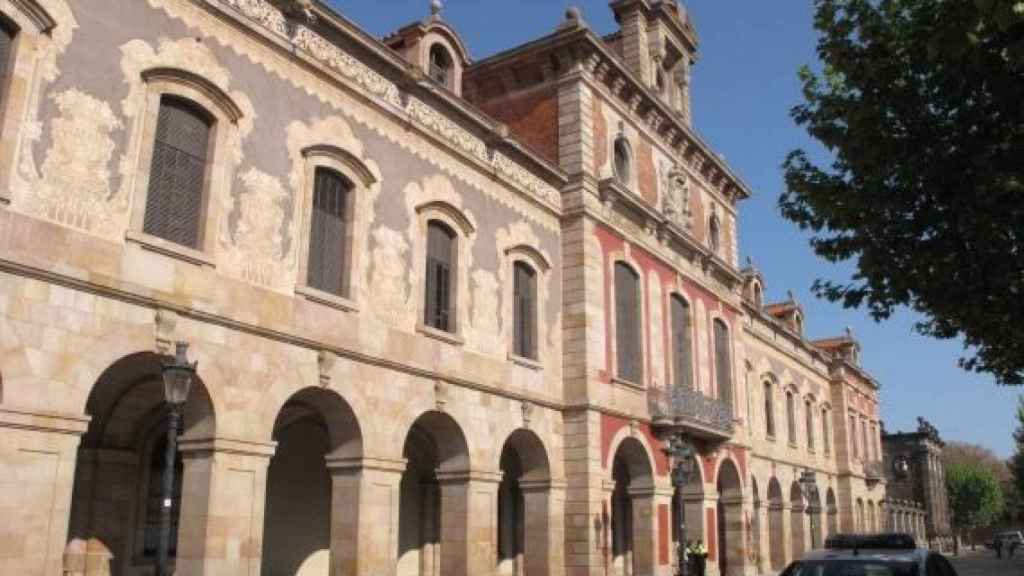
(342, 464)
(542, 485)
(200, 447)
(484, 476)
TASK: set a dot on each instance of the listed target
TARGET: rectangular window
(440, 277)
(525, 313)
(327, 269)
(864, 440)
(682, 362)
(627, 324)
(723, 362)
(791, 416)
(177, 174)
(810, 424)
(825, 439)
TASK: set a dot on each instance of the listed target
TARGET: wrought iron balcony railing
(700, 415)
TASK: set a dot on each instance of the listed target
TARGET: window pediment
(344, 157)
(221, 99)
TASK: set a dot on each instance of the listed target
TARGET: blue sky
(743, 87)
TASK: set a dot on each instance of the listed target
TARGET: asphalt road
(986, 564)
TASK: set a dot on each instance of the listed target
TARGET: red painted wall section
(663, 534)
(710, 464)
(610, 426)
(611, 245)
(710, 518)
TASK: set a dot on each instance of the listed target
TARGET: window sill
(628, 384)
(525, 362)
(446, 337)
(326, 298)
(177, 251)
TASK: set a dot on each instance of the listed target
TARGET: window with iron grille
(723, 362)
(682, 352)
(440, 289)
(769, 409)
(440, 65)
(791, 416)
(525, 313)
(177, 174)
(810, 424)
(627, 323)
(328, 266)
(8, 33)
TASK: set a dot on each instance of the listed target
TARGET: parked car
(871, 555)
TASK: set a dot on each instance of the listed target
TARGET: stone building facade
(917, 499)
(446, 313)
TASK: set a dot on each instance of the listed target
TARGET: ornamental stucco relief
(255, 250)
(72, 186)
(354, 109)
(389, 277)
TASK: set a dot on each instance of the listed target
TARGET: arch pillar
(762, 552)
(223, 498)
(468, 522)
(645, 541)
(787, 534)
(544, 527)
(364, 514)
(800, 529)
(37, 463)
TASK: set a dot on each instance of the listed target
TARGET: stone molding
(200, 447)
(43, 421)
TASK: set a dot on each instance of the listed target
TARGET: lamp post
(680, 449)
(177, 375)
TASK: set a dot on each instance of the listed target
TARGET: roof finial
(435, 7)
(792, 298)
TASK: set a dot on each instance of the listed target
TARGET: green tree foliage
(1017, 460)
(919, 106)
(974, 496)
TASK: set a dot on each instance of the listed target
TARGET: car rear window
(853, 568)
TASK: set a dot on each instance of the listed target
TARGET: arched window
(769, 408)
(627, 323)
(440, 290)
(715, 233)
(791, 416)
(809, 415)
(177, 176)
(623, 159)
(524, 338)
(328, 267)
(723, 362)
(682, 348)
(440, 65)
(826, 440)
(8, 34)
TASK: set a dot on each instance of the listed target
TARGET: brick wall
(532, 117)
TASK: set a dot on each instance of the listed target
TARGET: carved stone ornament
(326, 360)
(527, 408)
(441, 394)
(677, 197)
(165, 322)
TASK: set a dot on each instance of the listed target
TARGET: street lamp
(680, 449)
(177, 375)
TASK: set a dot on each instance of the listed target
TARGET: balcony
(691, 411)
(874, 471)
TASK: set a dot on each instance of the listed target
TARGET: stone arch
(776, 525)
(797, 524)
(632, 501)
(833, 512)
(524, 507)
(121, 462)
(434, 497)
(730, 530)
(317, 437)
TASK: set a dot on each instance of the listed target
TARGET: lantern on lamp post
(681, 451)
(177, 376)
